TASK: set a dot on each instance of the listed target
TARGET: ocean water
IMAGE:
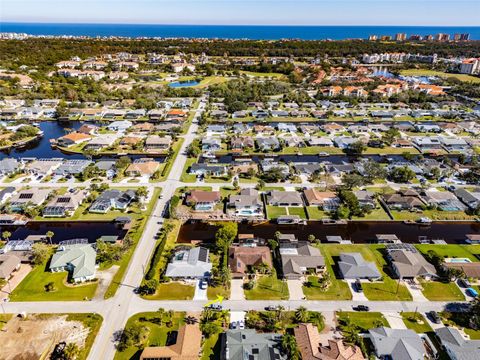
(231, 31)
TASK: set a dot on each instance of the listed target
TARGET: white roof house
(78, 259)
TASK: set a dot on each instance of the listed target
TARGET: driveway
(464, 291)
(236, 290)
(395, 320)
(431, 323)
(356, 296)
(200, 294)
(416, 292)
(295, 289)
(236, 316)
(104, 279)
(16, 279)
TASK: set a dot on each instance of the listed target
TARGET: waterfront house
(211, 144)
(322, 141)
(87, 129)
(142, 167)
(452, 144)
(64, 205)
(249, 344)
(187, 345)
(247, 203)
(365, 198)
(203, 169)
(203, 200)
(354, 266)
(458, 345)
(469, 198)
(78, 260)
(404, 199)
(267, 143)
(29, 197)
(100, 142)
(9, 166)
(243, 260)
(443, 200)
(73, 138)
(189, 263)
(307, 168)
(327, 200)
(299, 259)
(284, 198)
(309, 343)
(426, 143)
(240, 143)
(395, 344)
(121, 126)
(72, 167)
(155, 142)
(408, 263)
(135, 114)
(112, 199)
(344, 142)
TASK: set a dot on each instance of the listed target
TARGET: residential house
(143, 127)
(443, 200)
(267, 143)
(112, 199)
(87, 129)
(408, 263)
(469, 198)
(189, 263)
(155, 142)
(211, 144)
(9, 166)
(78, 260)
(427, 143)
(457, 345)
(327, 200)
(42, 166)
(299, 259)
(203, 169)
(187, 346)
(242, 259)
(248, 344)
(30, 197)
(72, 167)
(365, 198)
(284, 198)
(142, 167)
(398, 344)
(203, 200)
(6, 193)
(404, 199)
(344, 142)
(307, 168)
(310, 346)
(8, 264)
(240, 143)
(100, 142)
(455, 144)
(64, 205)
(121, 126)
(354, 266)
(73, 138)
(320, 141)
(247, 203)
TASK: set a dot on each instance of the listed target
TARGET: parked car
(361, 308)
(464, 283)
(270, 308)
(203, 284)
(215, 307)
(358, 286)
(433, 315)
(472, 292)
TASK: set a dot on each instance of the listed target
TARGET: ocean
(267, 32)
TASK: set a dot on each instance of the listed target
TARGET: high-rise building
(400, 37)
(373, 38)
(386, 38)
(470, 66)
(442, 37)
(415, 37)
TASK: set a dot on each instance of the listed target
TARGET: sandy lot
(36, 336)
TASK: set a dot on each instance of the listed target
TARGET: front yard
(268, 288)
(440, 291)
(416, 322)
(363, 320)
(172, 291)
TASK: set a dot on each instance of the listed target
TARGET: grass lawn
(338, 290)
(173, 291)
(460, 320)
(32, 288)
(274, 212)
(300, 211)
(278, 76)
(157, 334)
(426, 72)
(364, 320)
(474, 249)
(4, 318)
(211, 348)
(432, 214)
(213, 292)
(438, 291)
(386, 290)
(451, 251)
(268, 288)
(316, 213)
(415, 322)
(390, 151)
(167, 166)
(185, 177)
(375, 214)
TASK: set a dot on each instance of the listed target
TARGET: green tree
(40, 253)
(6, 235)
(50, 234)
(301, 314)
(355, 149)
(401, 174)
(71, 351)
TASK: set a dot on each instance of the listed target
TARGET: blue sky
(292, 12)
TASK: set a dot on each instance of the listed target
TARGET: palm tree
(50, 234)
(71, 351)
(301, 314)
(289, 345)
(6, 235)
(207, 315)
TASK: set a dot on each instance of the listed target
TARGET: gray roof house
(64, 205)
(354, 266)
(8, 264)
(408, 263)
(8, 166)
(31, 196)
(248, 344)
(6, 193)
(397, 344)
(78, 260)
(299, 258)
(247, 203)
(113, 198)
(284, 198)
(456, 345)
(72, 167)
(267, 143)
(189, 264)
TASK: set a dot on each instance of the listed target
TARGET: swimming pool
(180, 84)
(458, 260)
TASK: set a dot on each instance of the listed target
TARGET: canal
(356, 231)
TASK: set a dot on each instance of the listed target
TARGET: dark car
(270, 308)
(464, 283)
(215, 307)
(361, 308)
(433, 315)
(358, 286)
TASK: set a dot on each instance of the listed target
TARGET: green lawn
(432, 214)
(451, 250)
(213, 292)
(157, 333)
(426, 72)
(460, 320)
(32, 288)
(416, 322)
(386, 290)
(4, 318)
(300, 211)
(439, 291)
(188, 178)
(268, 288)
(274, 212)
(316, 213)
(173, 291)
(211, 348)
(375, 214)
(338, 290)
(364, 320)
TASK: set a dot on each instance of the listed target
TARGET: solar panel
(26, 196)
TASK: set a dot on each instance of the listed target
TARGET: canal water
(356, 231)
(66, 230)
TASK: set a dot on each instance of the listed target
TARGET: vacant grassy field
(300, 211)
(426, 72)
(432, 214)
(451, 250)
(91, 321)
(268, 288)
(32, 288)
(439, 291)
(274, 212)
(364, 320)
(316, 213)
(416, 322)
(173, 291)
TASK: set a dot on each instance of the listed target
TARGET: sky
(248, 12)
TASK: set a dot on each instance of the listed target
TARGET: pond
(66, 230)
(180, 84)
(357, 231)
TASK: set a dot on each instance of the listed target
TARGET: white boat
(424, 221)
